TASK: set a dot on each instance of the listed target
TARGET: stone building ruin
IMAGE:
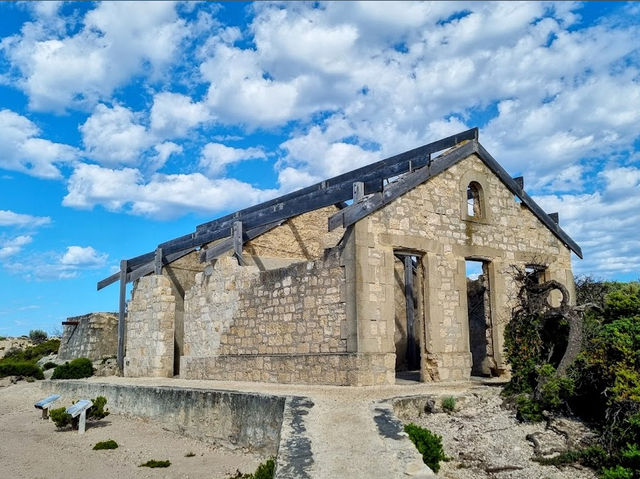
(353, 281)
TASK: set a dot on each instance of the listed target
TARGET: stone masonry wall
(150, 329)
(283, 325)
(94, 337)
(432, 220)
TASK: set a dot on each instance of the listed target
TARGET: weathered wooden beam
(107, 281)
(325, 193)
(357, 211)
(226, 244)
(158, 261)
(121, 315)
(236, 235)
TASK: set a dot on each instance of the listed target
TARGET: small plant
(76, 369)
(527, 410)
(110, 444)
(617, 472)
(97, 411)
(190, 454)
(155, 463)
(60, 417)
(265, 470)
(38, 336)
(49, 365)
(428, 444)
(449, 404)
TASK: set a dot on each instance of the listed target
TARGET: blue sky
(123, 125)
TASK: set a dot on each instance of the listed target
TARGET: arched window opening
(474, 191)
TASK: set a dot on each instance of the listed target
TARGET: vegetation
(428, 444)
(602, 384)
(449, 404)
(49, 365)
(22, 362)
(20, 368)
(110, 444)
(190, 454)
(61, 419)
(266, 470)
(155, 463)
(38, 336)
(76, 369)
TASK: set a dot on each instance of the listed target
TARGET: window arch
(474, 200)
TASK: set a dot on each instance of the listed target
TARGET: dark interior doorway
(407, 307)
(479, 315)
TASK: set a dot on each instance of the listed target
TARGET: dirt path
(32, 448)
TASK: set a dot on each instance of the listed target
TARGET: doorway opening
(408, 326)
(479, 317)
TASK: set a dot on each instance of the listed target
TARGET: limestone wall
(433, 222)
(149, 346)
(94, 336)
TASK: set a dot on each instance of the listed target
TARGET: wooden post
(236, 234)
(121, 318)
(158, 261)
(409, 301)
(358, 191)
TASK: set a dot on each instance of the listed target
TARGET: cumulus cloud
(11, 218)
(83, 257)
(24, 151)
(57, 72)
(173, 114)
(216, 156)
(162, 196)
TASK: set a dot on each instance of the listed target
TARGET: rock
(52, 358)
(547, 443)
(575, 433)
(105, 367)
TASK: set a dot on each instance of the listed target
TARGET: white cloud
(164, 151)
(118, 40)
(83, 257)
(162, 196)
(113, 136)
(13, 246)
(11, 218)
(173, 114)
(216, 156)
(23, 151)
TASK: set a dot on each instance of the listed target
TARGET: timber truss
(370, 188)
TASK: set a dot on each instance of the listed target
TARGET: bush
(60, 417)
(154, 463)
(38, 336)
(33, 353)
(428, 444)
(110, 444)
(265, 470)
(20, 368)
(76, 369)
(449, 404)
(617, 472)
(48, 365)
(97, 411)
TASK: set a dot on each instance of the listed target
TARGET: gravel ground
(484, 440)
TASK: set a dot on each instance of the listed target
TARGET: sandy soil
(33, 448)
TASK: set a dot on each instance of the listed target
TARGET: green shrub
(449, 404)
(154, 463)
(617, 472)
(553, 391)
(38, 336)
(60, 417)
(76, 369)
(527, 409)
(97, 411)
(32, 353)
(20, 368)
(428, 444)
(265, 470)
(49, 365)
(190, 454)
(110, 444)
(593, 456)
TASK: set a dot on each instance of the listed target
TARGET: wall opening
(474, 200)
(479, 316)
(408, 326)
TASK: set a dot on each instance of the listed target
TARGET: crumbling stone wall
(432, 220)
(150, 328)
(95, 336)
